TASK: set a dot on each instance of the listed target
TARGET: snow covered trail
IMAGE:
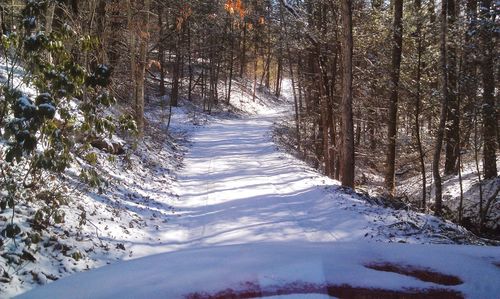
(254, 220)
(296, 269)
(237, 188)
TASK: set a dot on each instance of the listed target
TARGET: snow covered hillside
(290, 228)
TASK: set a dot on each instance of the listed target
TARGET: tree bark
(393, 103)
(468, 77)
(243, 62)
(418, 103)
(452, 130)
(442, 119)
(347, 163)
(139, 118)
(141, 67)
(231, 64)
(489, 108)
(161, 51)
(101, 30)
(174, 97)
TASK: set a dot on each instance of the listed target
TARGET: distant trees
(417, 93)
(366, 92)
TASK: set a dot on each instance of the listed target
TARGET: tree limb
(299, 18)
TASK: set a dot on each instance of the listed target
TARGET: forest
(396, 101)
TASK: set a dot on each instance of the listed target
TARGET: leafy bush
(42, 134)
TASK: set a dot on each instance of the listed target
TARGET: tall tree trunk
(324, 114)
(174, 97)
(393, 104)
(101, 30)
(190, 63)
(332, 119)
(266, 74)
(139, 118)
(114, 38)
(141, 67)
(442, 119)
(161, 51)
(418, 103)
(231, 65)
(254, 92)
(347, 163)
(295, 97)
(468, 78)
(489, 107)
(243, 61)
(295, 104)
(452, 146)
(279, 76)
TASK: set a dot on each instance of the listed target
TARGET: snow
(136, 205)
(268, 266)
(249, 216)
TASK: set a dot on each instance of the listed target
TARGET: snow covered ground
(249, 218)
(265, 269)
(97, 227)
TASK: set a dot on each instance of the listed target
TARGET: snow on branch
(299, 18)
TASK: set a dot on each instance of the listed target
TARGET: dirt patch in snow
(253, 290)
(427, 275)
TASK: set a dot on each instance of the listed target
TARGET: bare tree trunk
(279, 77)
(266, 74)
(469, 82)
(174, 98)
(332, 120)
(139, 118)
(489, 107)
(231, 66)
(141, 67)
(190, 63)
(296, 106)
(461, 202)
(372, 116)
(161, 51)
(418, 104)
(452, 146)
(347, 164)
(295, 99)
(101, 30)
(243, 61)
(323, 98)
(254, 93)
(476, 158)
(393, 104)
(442, 119)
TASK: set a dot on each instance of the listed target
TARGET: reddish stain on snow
(422, 274)
(340, 291)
